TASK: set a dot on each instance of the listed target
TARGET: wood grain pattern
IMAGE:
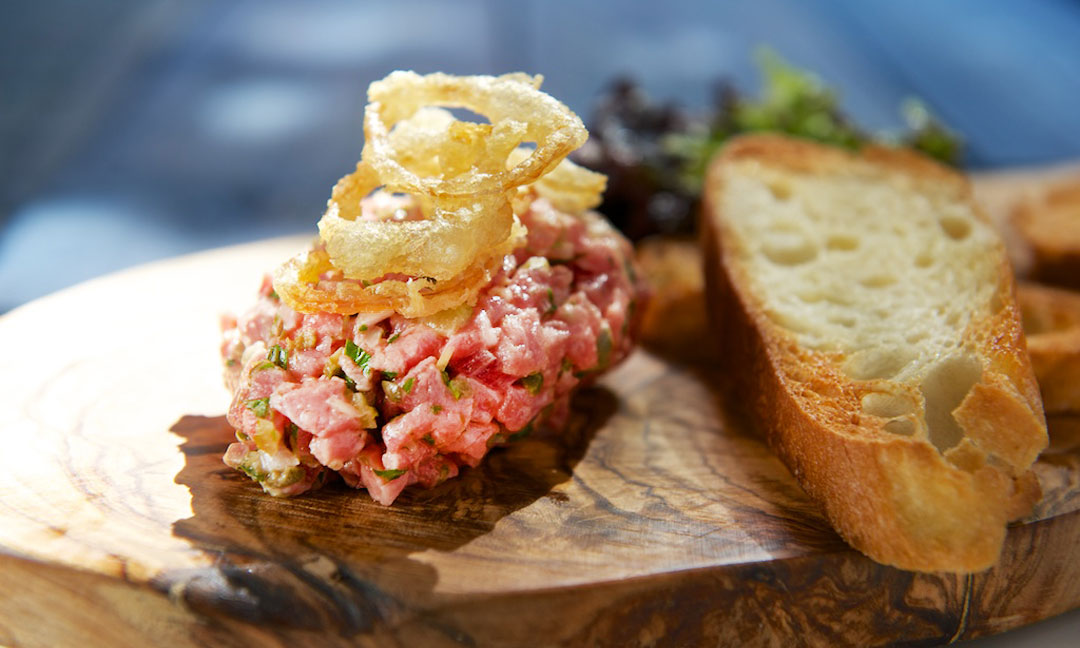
(656, 519)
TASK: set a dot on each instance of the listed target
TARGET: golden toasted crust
(808, 157)
(896, 498)
(1049, 225)
(1052, 324)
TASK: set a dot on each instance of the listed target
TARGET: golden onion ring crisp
(463, 177)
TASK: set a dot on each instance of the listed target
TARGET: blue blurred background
(132, 130)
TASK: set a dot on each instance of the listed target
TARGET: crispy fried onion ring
(461, 175)
(569, 187)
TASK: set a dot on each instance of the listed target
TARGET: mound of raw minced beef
(386, 402)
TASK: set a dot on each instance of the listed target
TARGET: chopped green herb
(454, 389)
(251, 471)
(241, 437)
(349, 382)
(363, 327)
(261, 406)
(293, 431)
(533, 383)
(393, 338)
(365, 283)
(435, 409)
(264, 365)
(566, 365)
(389, 375)
(407, 387)
(231, 362)
(358, 355)
(496, 440)
(389, 475)
(551, 305)
(278, 356)
(273, 294)
(428, 439)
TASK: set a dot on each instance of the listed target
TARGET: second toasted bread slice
(1052, 326)
(867, 310)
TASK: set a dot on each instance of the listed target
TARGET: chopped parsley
(252, 472)
(435, 409)
(428, 439)
(358, 355)
(407, 387)
(363, 327)
(454, 389)
(551, 299)
(533, 383)
(389, 375)
(393, 338)
(261, 406)
(278, 356)
(349, 382)
(389, 475)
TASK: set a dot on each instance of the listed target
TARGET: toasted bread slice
(1049, 225)
(866, 307)
(1052, 326)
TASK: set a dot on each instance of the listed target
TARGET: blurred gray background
(135, 130)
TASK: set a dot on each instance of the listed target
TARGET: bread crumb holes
(955, 228)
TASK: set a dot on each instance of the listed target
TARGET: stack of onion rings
(464, 178)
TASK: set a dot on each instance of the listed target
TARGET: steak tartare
(386, 402)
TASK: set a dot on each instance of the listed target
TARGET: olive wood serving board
(657, 518)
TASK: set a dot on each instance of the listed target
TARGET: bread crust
(1049, 225)
(1052, 325)
(896, 498)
